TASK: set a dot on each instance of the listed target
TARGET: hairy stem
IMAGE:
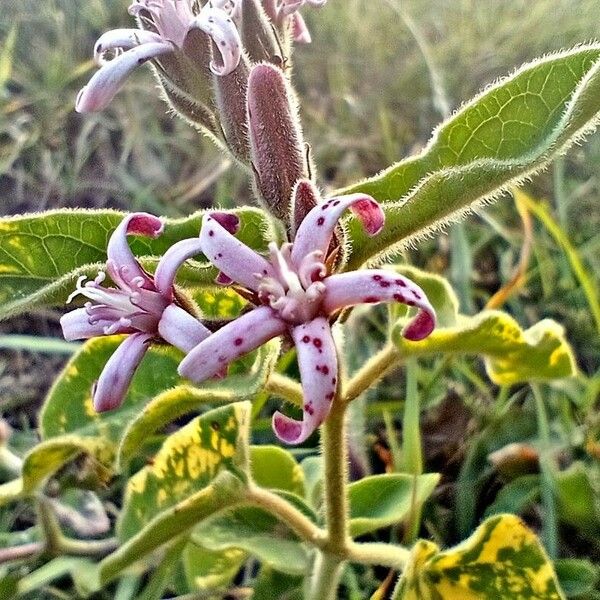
(285, 388)
(299, 523)
(376, 368)
(328, 570)
(375, 553)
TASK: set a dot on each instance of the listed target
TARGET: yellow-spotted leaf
(511, 130)
(41, 255)
(512, 355)
(226, 490)
(206, 570)
(50, 456)
(502, 560)
(219, 302)
(246, 378)
(187, 462)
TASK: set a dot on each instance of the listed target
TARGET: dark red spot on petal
(330, 396)
(401, 282)
(238, 341)
(399, 297)
(309, 409)
(384, 284)
(336, 202)
(306, 339)
(410, 303)
(317, 343)
(377, 277)
(211, 233)
(325, 370)
(417, 295)
(334, 380)
(320, 221)
(371, 300)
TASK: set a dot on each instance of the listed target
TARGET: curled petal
(220, 27)
(315, 231)
(229, 343)
(300, 31)
(317, 360)
(111, 388)
(109, 79)
(77, 325)
(122, 265)
(169, 264)
(180, 329)
(236, 260)
(123, 39)
(378, 285)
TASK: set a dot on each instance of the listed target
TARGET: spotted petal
(317, 360)
(220, 27)
(111, 388)
(122, 265)
(236, 260)
(229, 343)
(316, 230)
(109, 79)
(123, 39)
(378, 285)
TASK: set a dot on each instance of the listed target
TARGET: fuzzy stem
(22, 552)
(285, 388)
(286, 513)
(376, 368)
(328, 571)
(375, 553)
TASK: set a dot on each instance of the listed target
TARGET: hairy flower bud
(276, 141)
(257, 33)
(304, 198)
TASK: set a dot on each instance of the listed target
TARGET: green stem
(22, 552)
(328, 571)
(285, 388)
(549, 531)
(376, 368)
(412, 450)
(375, 553)
(299, 523)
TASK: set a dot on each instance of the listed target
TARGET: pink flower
(142, 306)
(296, 295)
(280, 10)
(168, 23)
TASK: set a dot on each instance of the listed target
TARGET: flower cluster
(293, 291)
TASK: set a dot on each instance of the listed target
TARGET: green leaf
(219, 303)
(576, 577)
(511, 130)
(68, 407)
(258, 533)
(275, 468)
(511, 354)
(42, 255)
(502, 560)
(313, 480)
(225, 491)
(516, 496)
(187, 462)
(206, 570)
(55, 569)
(246, 379)
(578, 500)
(383, 500)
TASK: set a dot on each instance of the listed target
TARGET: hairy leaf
(187, 462)
(502, 560)
(247, 378)
(511, 130)
(511, 354)
(274, 467)
(383, 500)
(42, 255)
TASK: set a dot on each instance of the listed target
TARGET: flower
(167, 24)
(279, 10)
(296, 295)
(142, 306)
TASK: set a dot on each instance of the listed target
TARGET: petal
(180, 329)
(235, 339)
(371, 286)
(236, 260)
(122, 265)
(123, 39)
(300, 31)
(220, 27)
(77, 325)
(169, 264)
(317, 360)
(314, 233)
(111, 388)
(109, 79)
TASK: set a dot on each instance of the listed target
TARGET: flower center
(295, 292)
